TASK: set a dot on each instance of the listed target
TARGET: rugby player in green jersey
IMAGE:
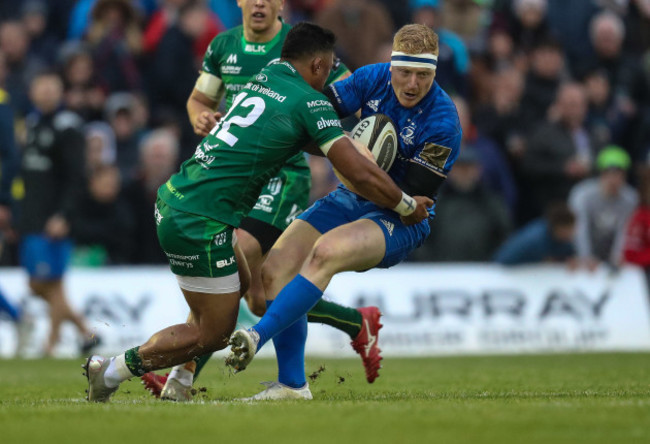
(197, 210)
(232, 58)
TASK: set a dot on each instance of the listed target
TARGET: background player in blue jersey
(323, 241)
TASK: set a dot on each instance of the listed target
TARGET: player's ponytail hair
(306, 39)
(416, 39)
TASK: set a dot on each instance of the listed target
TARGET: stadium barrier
(428, 309)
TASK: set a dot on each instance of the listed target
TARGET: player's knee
(269, 272)
(324, 256)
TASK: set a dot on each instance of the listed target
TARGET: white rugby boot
(174, 390)
(243, 348)
(276, 391)
(95, 367)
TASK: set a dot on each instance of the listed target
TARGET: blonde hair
(416, 39)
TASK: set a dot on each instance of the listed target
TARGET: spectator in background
(102, 226)
(559, 153)
(8, 158)
(58, 15)
(119, 111)
(79, 19)
(158, 159)
(495, 171)
(500, 119)
(466, 18)
(529, 27)
(116, 42)
(498, 56)
(398, 10)
(175, 66)
(625, 74)
(605, 122)
(22, 66)
(8, 154)
(569, 22)
(603, 206)
(228, 12)
(547, 239)
(83, 94)
(361, 27)
(100, 146)
(542, 82)
(471, 221)
(636, 248)
(453, 59)
(43, 45)
(81, 15)
(52, 172)
(168, 16)
(637, 27)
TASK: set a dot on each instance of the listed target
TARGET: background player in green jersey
(197, 210)
(232, 58)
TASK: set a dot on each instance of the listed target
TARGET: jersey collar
(254, 48)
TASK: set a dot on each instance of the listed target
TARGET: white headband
(426, 60)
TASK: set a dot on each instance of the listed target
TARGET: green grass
(594, 398)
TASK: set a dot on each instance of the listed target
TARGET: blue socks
(290, 352)
(293, 302)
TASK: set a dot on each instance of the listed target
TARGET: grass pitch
(594, 398)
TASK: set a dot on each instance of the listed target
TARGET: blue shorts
(342, 206)
(45, 259)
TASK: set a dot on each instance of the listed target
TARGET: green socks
(342, 318)
(134, 362)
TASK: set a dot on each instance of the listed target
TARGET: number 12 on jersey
(222, 129)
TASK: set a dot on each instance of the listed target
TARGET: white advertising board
(428, 309)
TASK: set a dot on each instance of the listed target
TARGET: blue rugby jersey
(429, 133)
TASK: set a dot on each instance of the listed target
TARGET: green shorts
(195, 245)
(283, 198)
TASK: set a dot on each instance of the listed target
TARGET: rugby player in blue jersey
(322, 241)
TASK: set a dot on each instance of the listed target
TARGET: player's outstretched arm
(200, 109)
(374, 184)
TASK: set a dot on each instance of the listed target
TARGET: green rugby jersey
(274, 115)
(235, 60)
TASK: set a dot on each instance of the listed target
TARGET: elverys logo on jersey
(328, 123)
(261, 77)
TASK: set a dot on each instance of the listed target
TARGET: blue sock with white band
(294, 301)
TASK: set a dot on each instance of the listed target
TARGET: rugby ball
(379, 134)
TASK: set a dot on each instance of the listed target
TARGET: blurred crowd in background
(553, 96)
